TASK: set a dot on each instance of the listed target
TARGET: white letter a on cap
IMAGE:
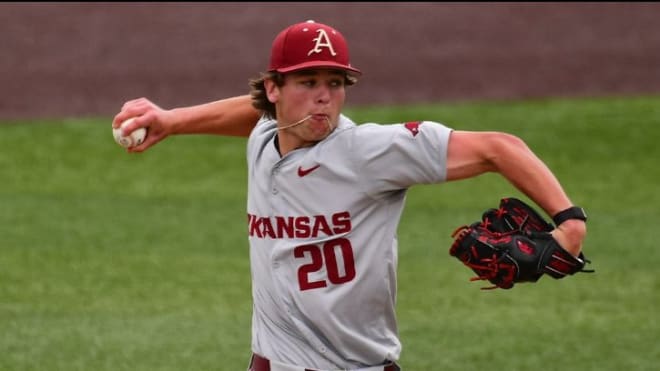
(322, 41)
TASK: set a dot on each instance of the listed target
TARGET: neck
(286, 143)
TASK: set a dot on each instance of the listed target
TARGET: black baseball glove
(513, 244)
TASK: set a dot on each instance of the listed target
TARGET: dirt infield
(72, 59)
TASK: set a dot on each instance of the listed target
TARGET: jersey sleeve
(398, 156)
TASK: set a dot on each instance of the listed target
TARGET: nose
(323, 94)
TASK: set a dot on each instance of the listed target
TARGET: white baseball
(132, 140)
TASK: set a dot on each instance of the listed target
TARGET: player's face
(318, 93)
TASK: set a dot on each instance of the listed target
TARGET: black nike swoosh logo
(302, 172)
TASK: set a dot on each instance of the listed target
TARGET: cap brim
(319, 64)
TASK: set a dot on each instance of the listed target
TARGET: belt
(260, 363)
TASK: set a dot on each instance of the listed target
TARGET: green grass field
(111, 261)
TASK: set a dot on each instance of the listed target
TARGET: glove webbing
(493, 265)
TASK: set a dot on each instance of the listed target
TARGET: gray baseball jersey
(322, 224)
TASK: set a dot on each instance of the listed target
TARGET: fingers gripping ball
(132, 140)
(513, 244)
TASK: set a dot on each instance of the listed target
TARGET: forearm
(518, 164)
(232, 116)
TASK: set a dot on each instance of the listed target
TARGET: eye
(335, 83)
(309, 83)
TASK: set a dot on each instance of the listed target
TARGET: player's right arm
(231, 117)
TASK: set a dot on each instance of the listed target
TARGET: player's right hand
(158, 122)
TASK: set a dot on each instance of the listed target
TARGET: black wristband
(574, 212)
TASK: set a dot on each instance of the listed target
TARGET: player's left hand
(515, 244)
(570, 234)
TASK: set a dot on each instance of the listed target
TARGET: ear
(272, 90)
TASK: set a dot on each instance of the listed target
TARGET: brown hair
(260, 98)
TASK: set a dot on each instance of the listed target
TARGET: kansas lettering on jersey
(299, 226)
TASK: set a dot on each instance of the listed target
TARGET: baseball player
(325, 197)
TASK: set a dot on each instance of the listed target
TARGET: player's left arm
(471, 153)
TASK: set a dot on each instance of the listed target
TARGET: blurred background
(111, 261)
(73, 59)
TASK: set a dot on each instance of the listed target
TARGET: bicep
(472, 153)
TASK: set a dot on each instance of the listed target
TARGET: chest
(302, 184)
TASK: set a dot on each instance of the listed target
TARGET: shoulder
(376, 134)
(265, 123)
(263, 132)
(367, 141)
(265, 126)
(408, 128)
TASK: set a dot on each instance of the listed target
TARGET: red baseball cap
(308, 45)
